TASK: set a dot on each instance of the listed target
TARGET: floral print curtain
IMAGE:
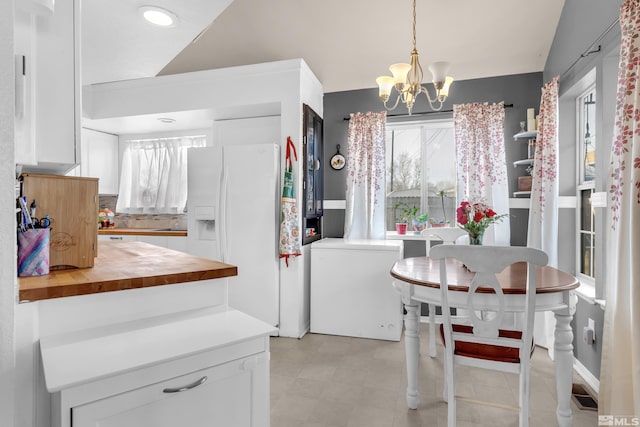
(543, 212)
(364, 214)
(482, 167)
(619, 392)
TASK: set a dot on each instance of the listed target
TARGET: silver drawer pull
(187, 387)
(115, 237)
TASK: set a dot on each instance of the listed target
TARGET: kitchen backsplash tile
(178, 222)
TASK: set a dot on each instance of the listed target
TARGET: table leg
(563, 358)
(412, 352)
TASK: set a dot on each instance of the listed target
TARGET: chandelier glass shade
(407, 80)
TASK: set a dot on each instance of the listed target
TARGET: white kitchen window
(153, 177)
(586, 238)
(421, 169)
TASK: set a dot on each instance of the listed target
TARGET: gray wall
(583, 22)
(521, 90)
(580, 25)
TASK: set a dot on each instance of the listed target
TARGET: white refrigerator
(234, 218)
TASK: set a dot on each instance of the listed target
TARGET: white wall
(237, 92)
(7, 218)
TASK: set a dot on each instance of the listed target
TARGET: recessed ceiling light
(159, 16)
(166, 119)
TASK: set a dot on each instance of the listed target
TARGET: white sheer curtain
(364, 213)
(543, 212)
(482, 167)
(153, 178)
(619, 392)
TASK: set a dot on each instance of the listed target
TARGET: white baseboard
(588, 377)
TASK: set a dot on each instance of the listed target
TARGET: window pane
(420, 162)
(586, 246)
(403, 169)
(587, 135)
(441, 174)
(403, 172)
(586, 217)
(593, 253)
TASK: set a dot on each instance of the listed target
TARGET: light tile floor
(332, 381)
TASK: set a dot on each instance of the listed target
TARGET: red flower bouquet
(475, 218)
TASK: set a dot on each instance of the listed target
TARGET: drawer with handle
(220, 395)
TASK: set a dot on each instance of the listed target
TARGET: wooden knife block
(72, 206)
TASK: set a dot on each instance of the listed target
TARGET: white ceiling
(349, 43)
(346, 43)
(118, 44)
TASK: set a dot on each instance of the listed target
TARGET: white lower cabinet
(194, 369)
(118, 237)
(153, 240)
(177, 243)
(219, 396)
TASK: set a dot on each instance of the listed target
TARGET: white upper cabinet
(100, 159)
(47, 86)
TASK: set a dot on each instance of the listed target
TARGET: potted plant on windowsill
(410, 215)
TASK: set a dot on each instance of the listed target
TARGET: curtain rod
(425, 113)
(592, 48)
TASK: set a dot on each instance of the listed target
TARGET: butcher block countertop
(142, 232)
(124, 265)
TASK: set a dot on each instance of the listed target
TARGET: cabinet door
(24, 48)
(313, 165)
(153, 240)
(318, 150)
(117, 237)
(57, 85)
(219, 396)
(100, 159)
(177, 243)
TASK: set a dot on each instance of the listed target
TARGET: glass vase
(476, 240)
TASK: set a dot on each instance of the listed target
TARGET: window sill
(393, 235)
(587, 291)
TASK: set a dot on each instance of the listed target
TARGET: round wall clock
(337, 160)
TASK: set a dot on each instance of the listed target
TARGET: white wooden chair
(482, 344)
(448, 236)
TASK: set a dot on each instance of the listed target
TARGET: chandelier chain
(414, 24)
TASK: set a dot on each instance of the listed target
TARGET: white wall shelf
(528, 162)
(522, 162)
(522, 194)
(525, 135)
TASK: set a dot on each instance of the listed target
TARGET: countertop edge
(102, 278)
(140, 232)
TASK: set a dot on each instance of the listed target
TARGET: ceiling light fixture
(159, 16)
(410, 86)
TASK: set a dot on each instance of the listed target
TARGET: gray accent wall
(581, 24)
(521, 90)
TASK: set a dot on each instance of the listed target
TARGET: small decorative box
(524, 183)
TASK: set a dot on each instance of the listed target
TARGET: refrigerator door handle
(223, 217)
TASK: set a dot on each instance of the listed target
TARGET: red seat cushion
(486, 351)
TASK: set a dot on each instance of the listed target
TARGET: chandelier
(407, 80)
